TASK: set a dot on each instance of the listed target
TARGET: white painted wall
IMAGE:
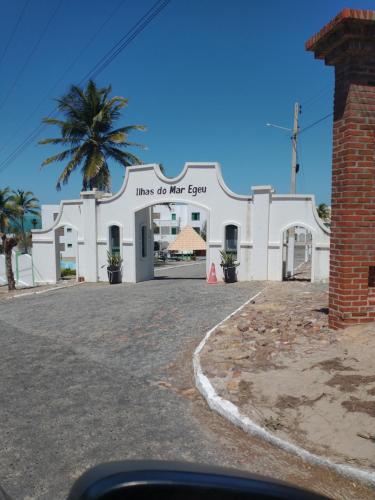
(144, 264)
(45, 249)
(22, 265)
(3, 276)
(49, 213)
(261, 219)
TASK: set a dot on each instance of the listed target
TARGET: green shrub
(228, 259)
(114, 259)
(68, 272)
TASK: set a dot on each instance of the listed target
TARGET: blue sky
(205, 77)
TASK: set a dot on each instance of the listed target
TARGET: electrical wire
(143, 22)
(29, 57)
(125, 40)
(24, 122)
(15, 28)
(315, 123)
(308, 102)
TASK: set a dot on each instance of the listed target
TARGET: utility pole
(291, 232)
(297, 111)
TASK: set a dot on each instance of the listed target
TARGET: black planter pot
(114, 274)
(230, 275)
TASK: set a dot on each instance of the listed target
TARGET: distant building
(169, 219)
(67, 238)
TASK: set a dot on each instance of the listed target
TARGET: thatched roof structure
(187, 240)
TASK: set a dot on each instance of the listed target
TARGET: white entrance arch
(144, 265)
(259, 217)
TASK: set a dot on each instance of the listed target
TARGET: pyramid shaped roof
(188, 239)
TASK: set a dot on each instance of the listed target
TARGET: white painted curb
(231, 412)
(36, 292)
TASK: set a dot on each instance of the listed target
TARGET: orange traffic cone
(212, 280)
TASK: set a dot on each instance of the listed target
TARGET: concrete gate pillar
(260, 231)
(348, 44)
(90, 251)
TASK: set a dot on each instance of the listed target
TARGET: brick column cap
(350, 34)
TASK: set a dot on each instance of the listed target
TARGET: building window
(195, 216)
(231, 236)
(68, 229)
(144, 241)
(156, 215)
(197, 229)
(174, 230)
(156, 229)
(165, 230)
(114, 240)
(173, 216)
(70, 245)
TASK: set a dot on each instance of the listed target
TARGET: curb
(232, 413)
(54, 289)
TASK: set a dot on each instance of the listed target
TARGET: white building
(169, 219)
(253, 226)
(66, 237)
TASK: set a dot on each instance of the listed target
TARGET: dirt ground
(278, 361)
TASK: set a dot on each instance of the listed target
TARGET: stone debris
(279, 362)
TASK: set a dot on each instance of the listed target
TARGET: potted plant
(229, 264)
(114, 268)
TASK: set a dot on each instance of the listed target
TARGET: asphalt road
(96, 373)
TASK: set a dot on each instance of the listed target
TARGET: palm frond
(124, 157)
(71, 166)
(60, 140)
(94, 162)
(60, 156)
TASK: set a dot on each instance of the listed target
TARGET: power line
(32, 52)
(124, 41)
(316, 96)
(10, 39)
(23, 122)
(131, 38)
(315, 123)
(143, 22)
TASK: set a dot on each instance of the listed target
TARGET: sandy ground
(278, 361)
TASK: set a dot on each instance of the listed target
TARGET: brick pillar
(348, 44)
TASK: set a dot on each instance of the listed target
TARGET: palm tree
(8, 211)
(324, 212)
(87, 130)
(27, 203)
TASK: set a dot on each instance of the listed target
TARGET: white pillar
(290, 256)
(90, 252)
(260, 230)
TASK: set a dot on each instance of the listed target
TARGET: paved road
(97, 373)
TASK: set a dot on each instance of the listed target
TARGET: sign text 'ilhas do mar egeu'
(190, 189)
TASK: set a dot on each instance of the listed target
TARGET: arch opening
(297, 245)
(171, 235)
(66, 252)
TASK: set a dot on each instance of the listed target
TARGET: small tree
(8, 211)
(323, 211)
(26, 203)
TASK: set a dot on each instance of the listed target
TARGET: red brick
(353, 164)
